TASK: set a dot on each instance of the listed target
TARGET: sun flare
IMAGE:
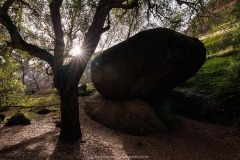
(75, 51)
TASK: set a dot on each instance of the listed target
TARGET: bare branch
(108, 24)
(7, 4)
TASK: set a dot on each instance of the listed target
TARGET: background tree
(82, 21)
(11, 88)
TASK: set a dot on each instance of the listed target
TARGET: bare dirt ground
(196, 141)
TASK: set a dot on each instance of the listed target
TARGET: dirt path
(197, 141)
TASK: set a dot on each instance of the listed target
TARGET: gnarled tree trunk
(70, 125)
(66, 81)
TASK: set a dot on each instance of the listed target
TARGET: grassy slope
(217, 78)
(226, 42)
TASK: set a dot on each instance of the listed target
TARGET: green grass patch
(215, 78)
(30, 112)
(48, 99)
(223, 43)
(44, 98)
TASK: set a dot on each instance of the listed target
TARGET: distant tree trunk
(36, 82)
(23, 73)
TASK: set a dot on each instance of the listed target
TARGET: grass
(223, 43)
(214, 78)
(32, 103)
(48, 99)
(218, 80)
(43, 98)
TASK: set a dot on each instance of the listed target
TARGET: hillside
(218, 80)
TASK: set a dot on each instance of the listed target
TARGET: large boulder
(147, 64)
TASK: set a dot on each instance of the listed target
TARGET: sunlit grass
(45, 99)
(223, 43)
(214, 78)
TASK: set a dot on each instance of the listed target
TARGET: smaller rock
(18, 119)
(82, 90)
(4, 109)
(83, 87)
(43, 111)
(58, 124)
(2, 117)
(133, 117)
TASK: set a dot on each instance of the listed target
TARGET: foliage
(11, 88)
(83, 79)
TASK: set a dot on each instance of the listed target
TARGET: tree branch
(59, 45)
(35, 12)
(7, 4)
(108, 25)
(17, 41)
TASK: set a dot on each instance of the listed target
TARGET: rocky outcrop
(148, 64)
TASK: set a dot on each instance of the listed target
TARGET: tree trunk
(70, 124)
(67, 87)
(66, 77)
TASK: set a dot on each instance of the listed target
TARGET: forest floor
(196, 141)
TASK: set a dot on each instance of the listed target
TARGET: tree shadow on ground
(33, 148)
(47, 146)
(67, 150)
